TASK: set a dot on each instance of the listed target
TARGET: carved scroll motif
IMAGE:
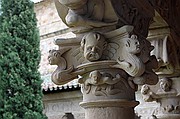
(136, 60)
(62, 74)
(129, 61)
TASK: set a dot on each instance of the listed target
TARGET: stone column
(166, 92)
(107, 95)
(108, 57)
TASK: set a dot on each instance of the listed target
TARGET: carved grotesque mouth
(138, 47)
(91, 56)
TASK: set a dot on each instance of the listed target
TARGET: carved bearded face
(93, 45)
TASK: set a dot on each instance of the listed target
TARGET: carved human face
(165, 84)
(132, 46)
(93, 47)
(95, 77)
(53, 57)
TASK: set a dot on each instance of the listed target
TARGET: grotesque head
(165, 84)
(93, 45)
(95, 76)
(132, 45)
(53, 57)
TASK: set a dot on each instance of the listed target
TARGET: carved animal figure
(55, 58)
(148, 95)
(129, 61)
(61, 75)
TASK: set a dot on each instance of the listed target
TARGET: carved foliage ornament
(61, 73)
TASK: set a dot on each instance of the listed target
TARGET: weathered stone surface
(48, 19)
(56, 105)
(107, 84)
(108, 57)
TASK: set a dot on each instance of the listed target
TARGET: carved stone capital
(118, 48)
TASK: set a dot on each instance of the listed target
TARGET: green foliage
(20, 83)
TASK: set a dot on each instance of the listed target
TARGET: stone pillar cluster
(166, 92)
(111, 56)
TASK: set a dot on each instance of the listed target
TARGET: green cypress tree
(20, 83)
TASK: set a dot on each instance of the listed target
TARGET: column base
(109, 109)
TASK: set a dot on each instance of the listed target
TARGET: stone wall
(57, 104)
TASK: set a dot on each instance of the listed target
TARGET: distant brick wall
(48, 19)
